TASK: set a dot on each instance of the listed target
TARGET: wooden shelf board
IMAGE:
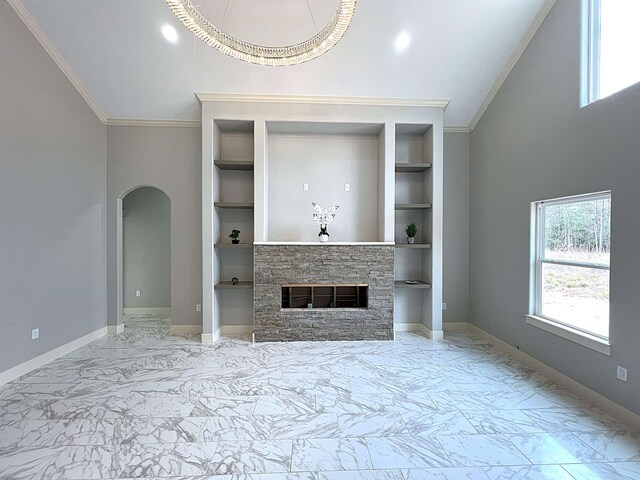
(404, 284)
(412, 206)
(229, 285)
(234, 165)
(231, 245)
(413, 245)
(412, 167)
(237, 205)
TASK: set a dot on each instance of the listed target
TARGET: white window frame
(535, 316)
(590, 61)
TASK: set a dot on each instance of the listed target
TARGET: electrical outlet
(305, 186)
(347, 187)
(444, 306)
(138, 293)
(198, 307)
(35, 333)
(621, 373)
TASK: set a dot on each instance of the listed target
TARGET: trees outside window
(573, 244)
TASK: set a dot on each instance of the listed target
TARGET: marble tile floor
(145, 404)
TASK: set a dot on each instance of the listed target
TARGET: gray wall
(53, 153)
(326, 163)
(168, 158)
(533, 143)
(146, 219)
(456, 228)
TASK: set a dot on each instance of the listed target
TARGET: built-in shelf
(234, 165)
(236, 205)
(232, 245)
(412, 167)
(240, 286)
(404, 284)
(413, 245)
(412, 206)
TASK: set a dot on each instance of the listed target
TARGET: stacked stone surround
(278, 265)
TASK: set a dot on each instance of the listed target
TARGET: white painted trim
(147, 311)
(436, 335)
(115, 329)
(321, 99)
(59, 60)
(457, 129)
(621, 413)
(146, 122)
(51, 355)
(576, 336)
(410, 327)
(236, 329)
(185, 329)
(208, 338)
(515, 56)
(419, 328)
(455, 326)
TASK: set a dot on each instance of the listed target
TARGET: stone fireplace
(318, 268)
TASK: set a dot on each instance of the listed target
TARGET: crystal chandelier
(302, 52)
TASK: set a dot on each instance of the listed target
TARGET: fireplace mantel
(328, 244)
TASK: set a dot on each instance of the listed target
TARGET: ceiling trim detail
(143, 122)
(59, 60)
(456, 130)
(515, 56)
(321, 99)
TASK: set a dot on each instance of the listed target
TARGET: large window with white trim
(572, 247)
(610, 46)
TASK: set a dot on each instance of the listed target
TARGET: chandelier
(302, 52)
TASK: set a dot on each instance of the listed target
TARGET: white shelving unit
(258, 152)
(414, 197)
(233, 202)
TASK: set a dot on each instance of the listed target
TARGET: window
(572, 242)
(610, 45)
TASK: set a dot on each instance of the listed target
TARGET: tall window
(572, 245)
(610, 46)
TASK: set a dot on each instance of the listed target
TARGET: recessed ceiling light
(170, 33)
(402, 42)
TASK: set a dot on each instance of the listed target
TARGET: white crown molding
(55, 55)
(321, 99)
(515, 56)
(51, 355)
(143, 122)
(457, 129)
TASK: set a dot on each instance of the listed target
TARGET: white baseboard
(115, 329)
(455, 326)
(49, 356)
(410, 327)
(207, 338)
(626, 416)
(185, 329)
(147, 311)
(236, 329)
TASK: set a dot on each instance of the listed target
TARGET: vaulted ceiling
(457, 50)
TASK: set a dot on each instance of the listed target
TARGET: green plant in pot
(235, 236)
(411, 231)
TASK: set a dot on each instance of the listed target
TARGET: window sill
(581, 338)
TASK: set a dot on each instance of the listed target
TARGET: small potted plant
(234, 236)
(411, 231)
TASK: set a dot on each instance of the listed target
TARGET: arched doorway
(145, 257)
